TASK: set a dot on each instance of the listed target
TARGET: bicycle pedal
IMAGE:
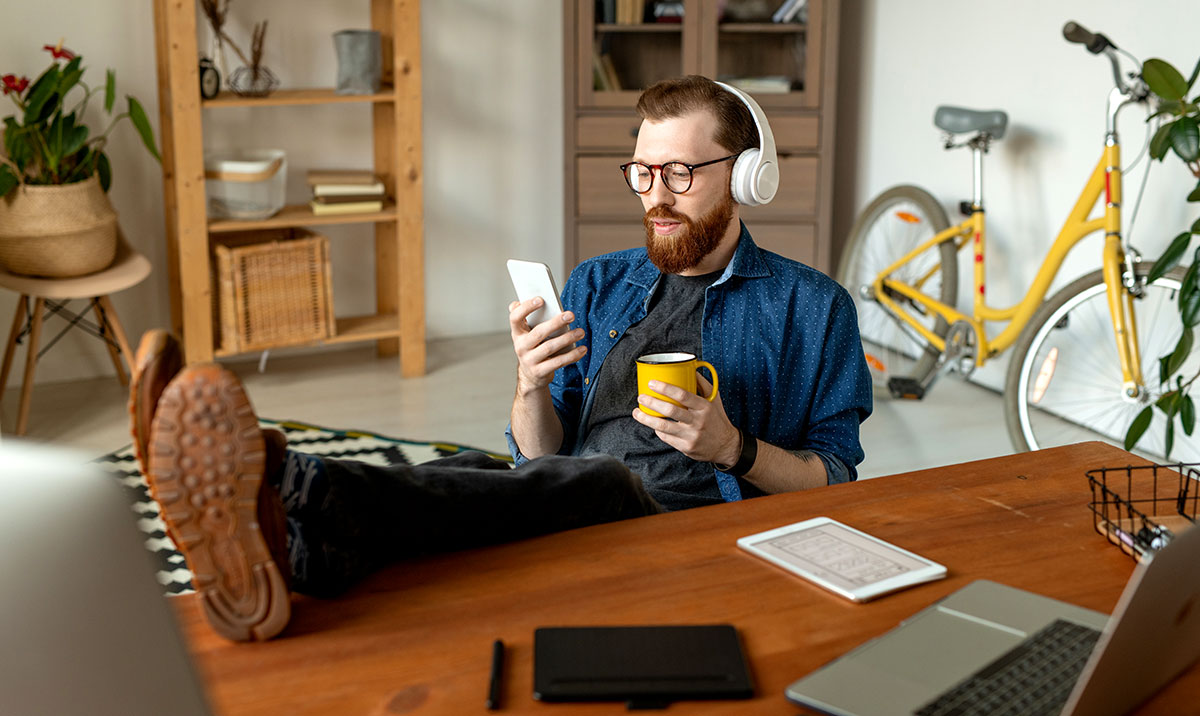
(905, 388)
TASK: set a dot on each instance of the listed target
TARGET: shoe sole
(206, 470)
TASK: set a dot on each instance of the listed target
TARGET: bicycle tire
(880, 237)
(1069, 343)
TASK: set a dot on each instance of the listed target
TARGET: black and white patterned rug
(367, 447)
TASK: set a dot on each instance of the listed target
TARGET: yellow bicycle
(1084, 362)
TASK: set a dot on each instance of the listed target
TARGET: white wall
(899, 60)
(493, 131)
(493, 144)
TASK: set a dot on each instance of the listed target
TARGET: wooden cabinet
(398, 323)
(601, 125)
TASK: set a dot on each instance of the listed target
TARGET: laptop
(85, 626)
(986, 630)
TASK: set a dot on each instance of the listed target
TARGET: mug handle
(706, 364)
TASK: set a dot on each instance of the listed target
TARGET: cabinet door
(774, 61)
(617, 57)
(795, 241)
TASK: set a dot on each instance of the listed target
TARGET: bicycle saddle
(958, 120)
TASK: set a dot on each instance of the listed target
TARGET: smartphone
(531, 278)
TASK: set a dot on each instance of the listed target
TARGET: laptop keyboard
(1034, 677)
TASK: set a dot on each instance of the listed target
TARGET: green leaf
(1167, 106)
(1195, 195)
(1189, 297)
(1138, 427)
(110, 91)
(38, 102)
(1187, 415)
(104, 171)
(1164, 375)
(1171, 257)
(1164, 80)
(1168, 403)
(1170, 438)
(69, 76)
(8, 180)
(1196, 226)
(1185, 138)
(74, 137)
(1183, 349)
(142, 124)
(1161, 143)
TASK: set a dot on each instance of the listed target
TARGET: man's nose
(659, 194)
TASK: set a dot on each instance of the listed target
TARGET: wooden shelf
(350, 329)
(302, 215)
(284, 97)
(668, 27)
(763, 27)
(366, 328)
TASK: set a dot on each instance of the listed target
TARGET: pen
(493, 699)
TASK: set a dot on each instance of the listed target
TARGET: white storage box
(246, 184)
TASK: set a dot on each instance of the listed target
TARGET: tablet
(841, 559)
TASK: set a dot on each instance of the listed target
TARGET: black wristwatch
(746, 457)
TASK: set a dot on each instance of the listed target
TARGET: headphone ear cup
(766, 182)
(741, 181)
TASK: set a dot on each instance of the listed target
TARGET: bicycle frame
(1106, 179)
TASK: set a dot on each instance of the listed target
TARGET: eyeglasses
(677, 176)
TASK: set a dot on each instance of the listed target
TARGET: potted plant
(1180, 134)
(55, 217)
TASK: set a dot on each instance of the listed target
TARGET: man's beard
(694, 240)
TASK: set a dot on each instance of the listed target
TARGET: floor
(465, 398)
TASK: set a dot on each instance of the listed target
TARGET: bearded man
(783, 337)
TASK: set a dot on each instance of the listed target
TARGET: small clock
(210, 79)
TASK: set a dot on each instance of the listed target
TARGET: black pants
(373, 515)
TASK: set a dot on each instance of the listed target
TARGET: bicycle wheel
(894, 223)
(1064, 378)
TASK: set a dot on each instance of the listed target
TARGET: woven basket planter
(57, 230)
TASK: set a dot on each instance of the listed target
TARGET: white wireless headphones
(756, 171)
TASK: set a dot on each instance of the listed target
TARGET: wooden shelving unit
(398, 324)
(601, 125)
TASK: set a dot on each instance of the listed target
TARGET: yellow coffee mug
(672, 368)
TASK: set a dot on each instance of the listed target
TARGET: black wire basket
(1141, 509)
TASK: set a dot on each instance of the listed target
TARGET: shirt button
(612, 334)
(587, 381)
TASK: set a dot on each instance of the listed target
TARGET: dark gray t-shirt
(673, 323)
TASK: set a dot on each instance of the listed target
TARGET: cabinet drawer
(596, 239)
(619, 134)
(609, 134)
(795, 241)
(797, 195)
(600, 192)
(795, 133)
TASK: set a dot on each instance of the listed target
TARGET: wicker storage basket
(274, 288)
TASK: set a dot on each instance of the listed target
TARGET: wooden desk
(416, 638)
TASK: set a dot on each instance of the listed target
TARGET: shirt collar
(747, 262)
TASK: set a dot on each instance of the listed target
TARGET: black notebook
(645, 665)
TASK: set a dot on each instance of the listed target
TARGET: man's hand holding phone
(544, 348)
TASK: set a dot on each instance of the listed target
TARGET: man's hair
(670, 99)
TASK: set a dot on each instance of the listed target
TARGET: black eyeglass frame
(651, 167)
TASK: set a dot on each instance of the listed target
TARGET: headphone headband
(755, 177)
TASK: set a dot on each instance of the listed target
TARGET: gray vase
(360, 63)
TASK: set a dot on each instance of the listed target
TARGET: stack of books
(345, 191)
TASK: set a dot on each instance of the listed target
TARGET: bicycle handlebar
(1095, 42)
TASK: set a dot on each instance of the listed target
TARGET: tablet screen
(841, 558)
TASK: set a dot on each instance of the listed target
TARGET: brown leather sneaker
(207, 465)
(158, 359)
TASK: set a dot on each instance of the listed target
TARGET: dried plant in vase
(253, 78)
